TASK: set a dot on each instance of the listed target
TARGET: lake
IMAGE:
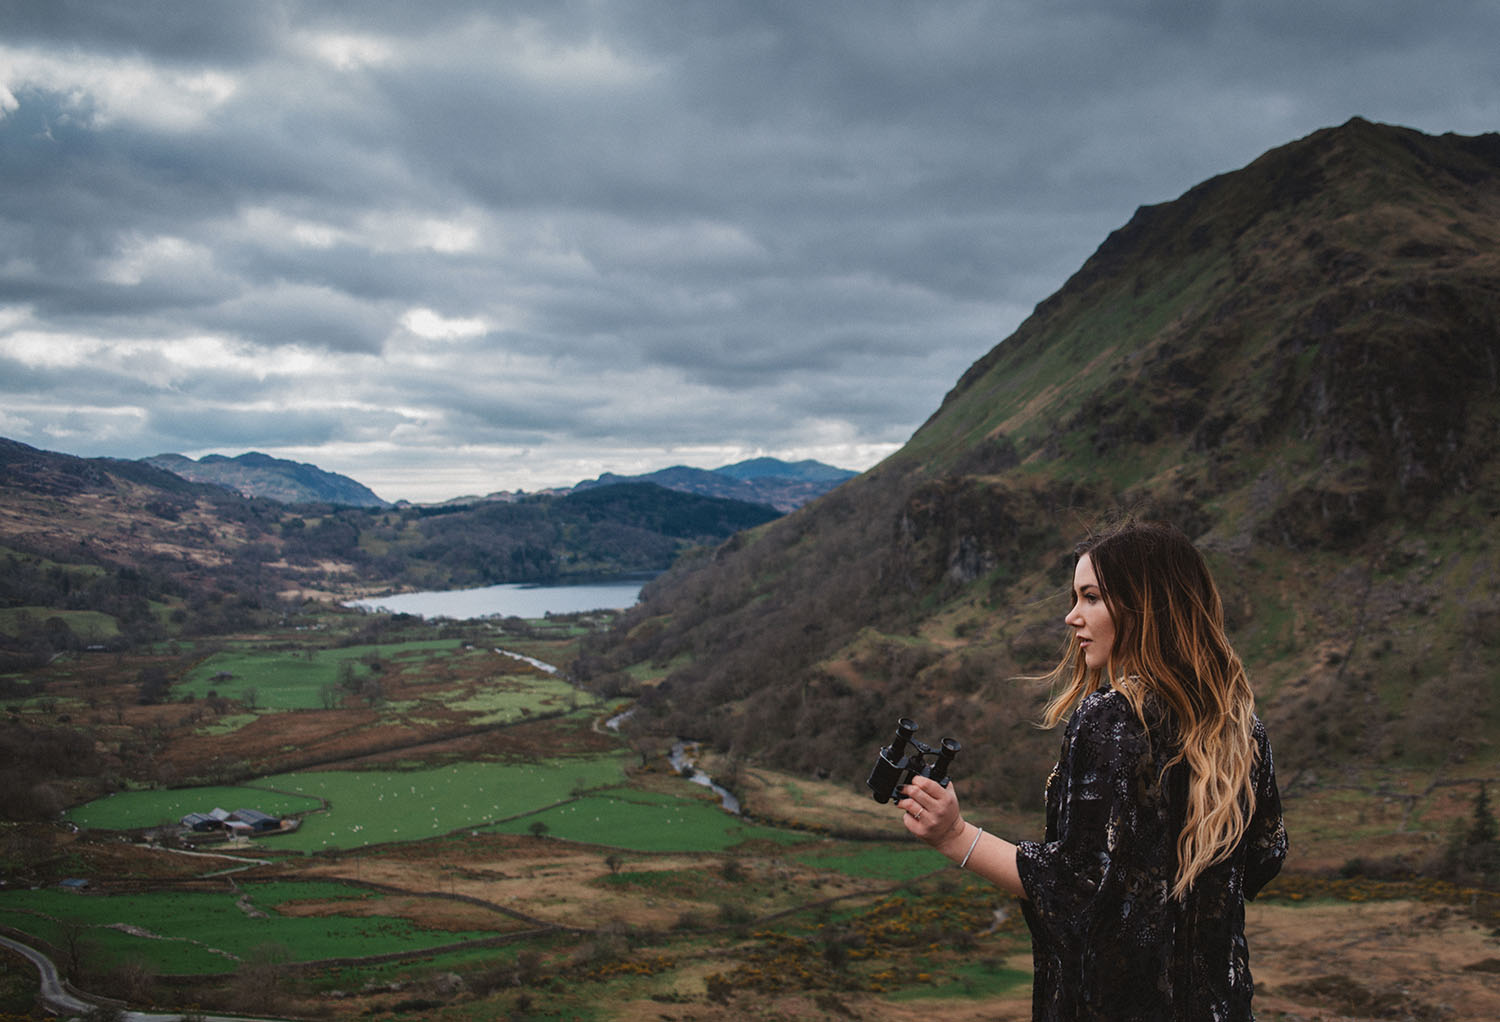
(516, 599)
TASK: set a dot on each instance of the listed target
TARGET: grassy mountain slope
(806, 470)
(259, 475)
(1298, 362)
(782, 485)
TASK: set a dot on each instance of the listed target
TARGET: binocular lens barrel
(945, 757)
(904, 730)
(893, 767)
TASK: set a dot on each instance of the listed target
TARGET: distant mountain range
(772, 482)
(138, 553)
(782, 485)
(260, 475)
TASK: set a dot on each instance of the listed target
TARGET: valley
(473, 841)
(1296, 362)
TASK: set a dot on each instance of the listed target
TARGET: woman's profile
(1162, 811)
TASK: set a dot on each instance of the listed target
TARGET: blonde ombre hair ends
(1170, 642)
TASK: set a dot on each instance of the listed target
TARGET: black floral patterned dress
(1109, 941)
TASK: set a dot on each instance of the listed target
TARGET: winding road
(57, 997)
(54, 995)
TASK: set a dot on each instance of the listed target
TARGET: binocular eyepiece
(895, 767)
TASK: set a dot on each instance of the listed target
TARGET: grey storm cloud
(463, 246)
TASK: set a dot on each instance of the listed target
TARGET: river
(511, 599)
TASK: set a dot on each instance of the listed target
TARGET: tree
(1476, 849)
(77, 946)
(152, 685)
(260, 983)
(1482, 830)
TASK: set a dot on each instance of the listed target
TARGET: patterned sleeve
(1265, 839)
(1100, 875)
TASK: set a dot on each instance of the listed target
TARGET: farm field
(476, 844)
(531, 825)
(367, 807)
(307, 679)
(210, 931)
(647, 821)
(135, 810)
(356, 808)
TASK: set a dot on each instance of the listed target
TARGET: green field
(984, 978)
(210, 932)
(507, 699)
(367, 807)
(88, 625)
(294, 680)
(894, 862)
(370, 807)
(129, 810)
(645, 822)
(564, 796)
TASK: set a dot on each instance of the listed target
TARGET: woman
(1162, 811)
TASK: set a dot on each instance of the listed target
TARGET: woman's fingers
(930, 810)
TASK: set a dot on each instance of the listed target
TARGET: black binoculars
(895, 767)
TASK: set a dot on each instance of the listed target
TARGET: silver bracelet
(972, 845)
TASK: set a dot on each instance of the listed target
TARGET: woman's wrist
(957, 842)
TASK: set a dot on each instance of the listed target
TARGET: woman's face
(1089, 618)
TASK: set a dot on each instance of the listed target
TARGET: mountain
(260, 475)
(807, 470)
(635, 528)
(116, 553)
(782, 485)
(1298, 362)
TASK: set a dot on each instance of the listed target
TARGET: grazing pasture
(373, 807)
(132, 810)
(209, 932)
(896, 863)
(297, 679)
(646, 822)
(368, 807)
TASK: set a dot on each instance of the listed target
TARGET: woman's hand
(931, 812)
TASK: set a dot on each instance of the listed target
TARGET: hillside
(1298, 362)
(782, 485)
(259, 475)
(115, 553)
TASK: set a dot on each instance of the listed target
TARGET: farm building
(202, 822)
(240, 823)
(255, 819)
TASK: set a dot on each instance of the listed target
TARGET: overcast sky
(453, 248)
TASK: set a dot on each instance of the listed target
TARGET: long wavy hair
(1170, 643)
